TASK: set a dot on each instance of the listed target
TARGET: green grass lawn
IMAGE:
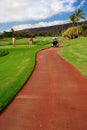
(75, 52)
(16, 67)
(8, 41)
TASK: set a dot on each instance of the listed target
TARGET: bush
(84, 30)
(71, 32)
(3, 53)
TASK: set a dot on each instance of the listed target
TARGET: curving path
(54, 98)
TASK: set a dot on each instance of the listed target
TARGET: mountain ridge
(55, 29)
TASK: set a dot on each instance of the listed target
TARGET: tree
(76, 17)
(79, 15)
(12, 30)
(73, 19)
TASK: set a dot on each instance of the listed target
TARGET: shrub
(71, 32)
(84, 30)
(3, 53)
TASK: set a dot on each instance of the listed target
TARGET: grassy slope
(75, 52)
(16, 67)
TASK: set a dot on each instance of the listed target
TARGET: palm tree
(73, 19)
(78, 16)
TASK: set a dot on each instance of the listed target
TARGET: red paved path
(55, 98)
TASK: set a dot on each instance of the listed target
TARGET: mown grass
(75, 52)
(8, 41)
(16, 67)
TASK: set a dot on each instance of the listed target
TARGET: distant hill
(57, 29)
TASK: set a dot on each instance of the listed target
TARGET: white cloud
(20, 10)
(82, 3)
(41, 24)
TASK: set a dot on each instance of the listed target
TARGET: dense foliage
(3, 53)
(84, 30)
(72, 33)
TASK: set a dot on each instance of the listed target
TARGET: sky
(22, 14)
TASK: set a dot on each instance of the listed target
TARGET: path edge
(7, 105)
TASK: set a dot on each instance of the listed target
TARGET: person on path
(30, 41)
(14, 41)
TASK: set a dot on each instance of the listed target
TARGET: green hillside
(75, 52)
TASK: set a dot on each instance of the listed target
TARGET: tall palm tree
(78, 16)
(73, 19)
